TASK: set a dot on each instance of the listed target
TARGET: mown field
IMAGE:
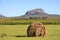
(12, 31)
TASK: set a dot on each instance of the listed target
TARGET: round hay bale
(36, 29)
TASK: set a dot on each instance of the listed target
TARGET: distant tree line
(38, 17)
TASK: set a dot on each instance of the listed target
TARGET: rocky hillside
(38, 14)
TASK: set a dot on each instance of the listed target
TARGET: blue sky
(20, 7)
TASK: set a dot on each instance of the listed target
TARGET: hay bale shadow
(20, 36)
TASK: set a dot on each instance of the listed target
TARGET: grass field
(53, 32)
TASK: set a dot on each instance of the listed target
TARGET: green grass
(53, 32)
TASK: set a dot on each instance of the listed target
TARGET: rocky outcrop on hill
(35, 12)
